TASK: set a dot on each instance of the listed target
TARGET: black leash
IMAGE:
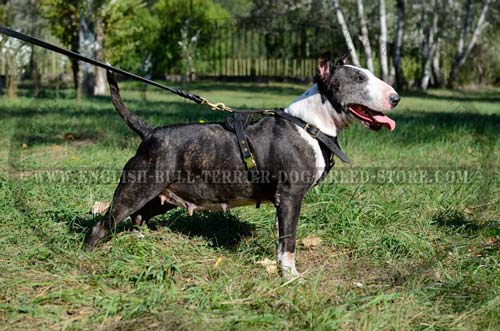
(329, 142)
(71, 54)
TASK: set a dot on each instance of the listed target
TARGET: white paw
(286, 262)
(289, 272)
(138, 233)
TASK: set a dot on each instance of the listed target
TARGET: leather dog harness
(240, 120)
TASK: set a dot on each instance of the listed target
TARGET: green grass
(393, 256)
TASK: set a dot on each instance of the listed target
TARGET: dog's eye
(360, 78)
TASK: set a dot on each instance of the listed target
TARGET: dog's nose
(394, 99)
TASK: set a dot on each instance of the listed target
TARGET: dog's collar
(329, 142)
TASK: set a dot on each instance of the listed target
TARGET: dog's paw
(137, 231)
(289, 273)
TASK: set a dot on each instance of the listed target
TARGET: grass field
(396, 253)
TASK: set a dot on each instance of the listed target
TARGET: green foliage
(237, 8)
(2, 14)
(63, 17)
(130, 33)
(196, 17)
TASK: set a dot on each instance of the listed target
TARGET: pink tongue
(385, 121)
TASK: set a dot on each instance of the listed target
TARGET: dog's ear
(324, 63)
(343, 59)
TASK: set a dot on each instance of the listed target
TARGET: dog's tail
(133, 121)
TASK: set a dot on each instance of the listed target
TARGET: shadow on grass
(263, 86)
(457, 96)
(222, 230)
(256, 87)
(457, 220)
(100, 123)
(454, 219)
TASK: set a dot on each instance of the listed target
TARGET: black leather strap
(329, 142)
(239, 121)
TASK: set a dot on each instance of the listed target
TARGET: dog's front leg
(287, 215)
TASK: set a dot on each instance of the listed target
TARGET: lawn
(416, 245)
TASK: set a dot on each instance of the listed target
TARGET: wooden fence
(257, 67)
(242, 49)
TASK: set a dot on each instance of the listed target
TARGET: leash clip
(219, 106)
(268, 112)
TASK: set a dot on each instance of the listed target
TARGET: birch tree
(398, 44)
(88, 46)
(431, 43)
(384, 67)
(100, 73)
(364, 38)
(463, 51)
(436, 69)
(345, 32)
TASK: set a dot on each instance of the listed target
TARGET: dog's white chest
(320, 163)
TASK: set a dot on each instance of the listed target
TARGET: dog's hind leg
(150, 210)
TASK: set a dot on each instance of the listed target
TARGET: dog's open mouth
(371, 118)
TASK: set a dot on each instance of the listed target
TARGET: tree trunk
(365, 39)
(384, 67)
(10, 77)
(75, 47)
(463, 52)
(430, 50)
(345, 32)
(100, 78)
(398, 49)
(436, 69)
(87, 48)
(35, 72)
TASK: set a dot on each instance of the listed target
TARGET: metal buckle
(315, 131)
(250, 162)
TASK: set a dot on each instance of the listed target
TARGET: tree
(384, 67)
(131, 32)
(88, 46)
(345, 32)
(365, 40)
(193, 17)
(430, 46)
(188, 48)
(107, 30)
(462, 52)
(398, 44)
(63, 17)
(116, 29)
(19, 56)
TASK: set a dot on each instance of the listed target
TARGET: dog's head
(356, 91)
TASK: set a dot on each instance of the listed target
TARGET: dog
(181, 165)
